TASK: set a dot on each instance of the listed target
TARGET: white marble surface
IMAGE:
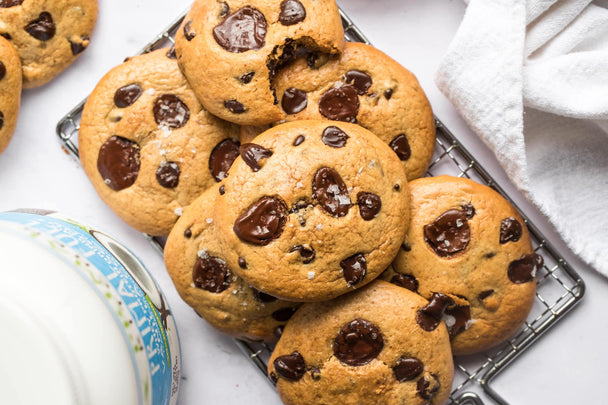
(566, 366)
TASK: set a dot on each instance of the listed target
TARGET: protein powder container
(81, 320)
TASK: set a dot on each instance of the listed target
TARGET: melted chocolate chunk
(222, 190)
(428, 386)
(262, 222)
(388, 93)
(354, 268)
(407, 368)
(278, 331)
(2, 70)
(167, 174)
(242, 31)
(340, 104)
(401, 147)
(211, 274)
(42, 28)
(189, 32)
(188, 233)
(292, 12)
(299, 139)
(308, 255)
(170, 111)
(225, 10)
(461, 315)
(247, 77)
(127, 95)
(234, 106)
(222, 157)
(10, 3)
(358, 343)
(171, 53)
(242, 263)
(118, 162)
(524, 269)
(262, 297)
(284, 314)
(469, 210)
(510, 230)
(334, 137)
(293, 101)
(485, 294)
(1, 119)
(369, 205)
(449, 233)
(429, 317)
(331, 192)
(406, 281)
(361, 81)
(78, 47)
(291, 366)
(252, 154)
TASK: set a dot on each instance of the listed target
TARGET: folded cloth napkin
(531, 79)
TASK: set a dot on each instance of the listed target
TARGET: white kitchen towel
(531, 79)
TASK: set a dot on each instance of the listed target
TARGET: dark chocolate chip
(331, 192)
(340, 104)
(247, 77)
(388, 93)
(78, 47)
(262, 297)
(406, 247)
(42, 28)
(2, 70)
(221, 158)
(510, 230)
(401, 147)
(369, 205)
(278, 331)
(358, 343)
(189, 32)
(225, 10)
(222, 190)
(461, 315)
(294, 100)
(284, 314)
(292, 12)
(485, 294)
(242, 263)
(449, 233)
(167, 174)
(234, 106)
(334, 137)
(396, 187)
(429, 316)
(428, 386)
(171, 53)
(524, 269)
(253, 154)
(1, 119)
(406, 281)
(244, 30)
(290, 366)
(315, 373)
(307, 254)
(170, 111)
(10, 3)
(118, 162)
(354, 268)
(211, 274)
(298, 141)
(262, 222)
(361, 81)
(407, 368)
(469, 210)
(188, 233)
(127, 95)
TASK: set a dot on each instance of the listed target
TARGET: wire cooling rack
(559, 287)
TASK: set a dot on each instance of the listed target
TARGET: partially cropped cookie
(313, 210)
(469, 251)
(47, 34)
(231, 50)
(196, 264)
(10, 89)
(364, 86)
(363, 348)
(147, 144)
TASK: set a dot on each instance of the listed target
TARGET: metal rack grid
(559, 287)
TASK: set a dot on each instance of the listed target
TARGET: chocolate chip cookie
(48, 34)
(147, 144)
(196, 264)
(231, 50)
(469, 251)
(313, 210)
(10, 89)
(364, 86)
(363, 348)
